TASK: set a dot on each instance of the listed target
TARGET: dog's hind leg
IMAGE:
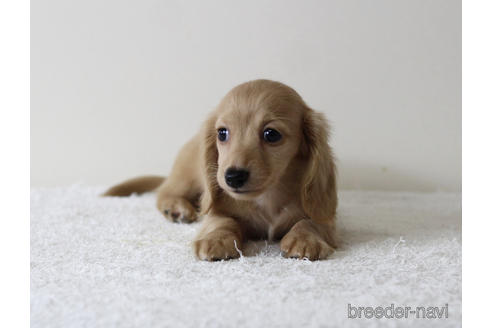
(178, 196)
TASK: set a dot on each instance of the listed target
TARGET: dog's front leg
(219, 239)
(308, 239)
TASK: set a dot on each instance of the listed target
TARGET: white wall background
(119, 85)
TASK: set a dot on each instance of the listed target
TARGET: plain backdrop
(118, 86)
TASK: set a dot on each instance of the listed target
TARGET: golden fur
(290, 195)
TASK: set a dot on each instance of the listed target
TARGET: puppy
(260, 168)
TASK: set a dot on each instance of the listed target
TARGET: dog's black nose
(236, 178)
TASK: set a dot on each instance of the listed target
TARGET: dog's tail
(137, 185)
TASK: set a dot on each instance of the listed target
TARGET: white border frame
(14, 167)
(477, 161)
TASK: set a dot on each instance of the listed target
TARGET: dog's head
(252, 137)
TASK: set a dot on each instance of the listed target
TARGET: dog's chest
(273, 218)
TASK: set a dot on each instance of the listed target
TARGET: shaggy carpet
(115, 262)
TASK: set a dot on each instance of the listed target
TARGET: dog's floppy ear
(208, 158)
(319, 196)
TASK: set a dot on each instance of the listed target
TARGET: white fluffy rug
(115, 262)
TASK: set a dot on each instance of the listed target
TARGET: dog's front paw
(177, 209)
(299, 244)
(215, 247)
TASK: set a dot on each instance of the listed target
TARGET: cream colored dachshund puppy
(260, 168)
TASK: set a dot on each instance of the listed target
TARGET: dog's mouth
(244, 194)
(248, 191)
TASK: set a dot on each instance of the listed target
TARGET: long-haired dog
(260, 168)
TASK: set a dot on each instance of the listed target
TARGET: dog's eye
(271, 135)
(223, 134)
